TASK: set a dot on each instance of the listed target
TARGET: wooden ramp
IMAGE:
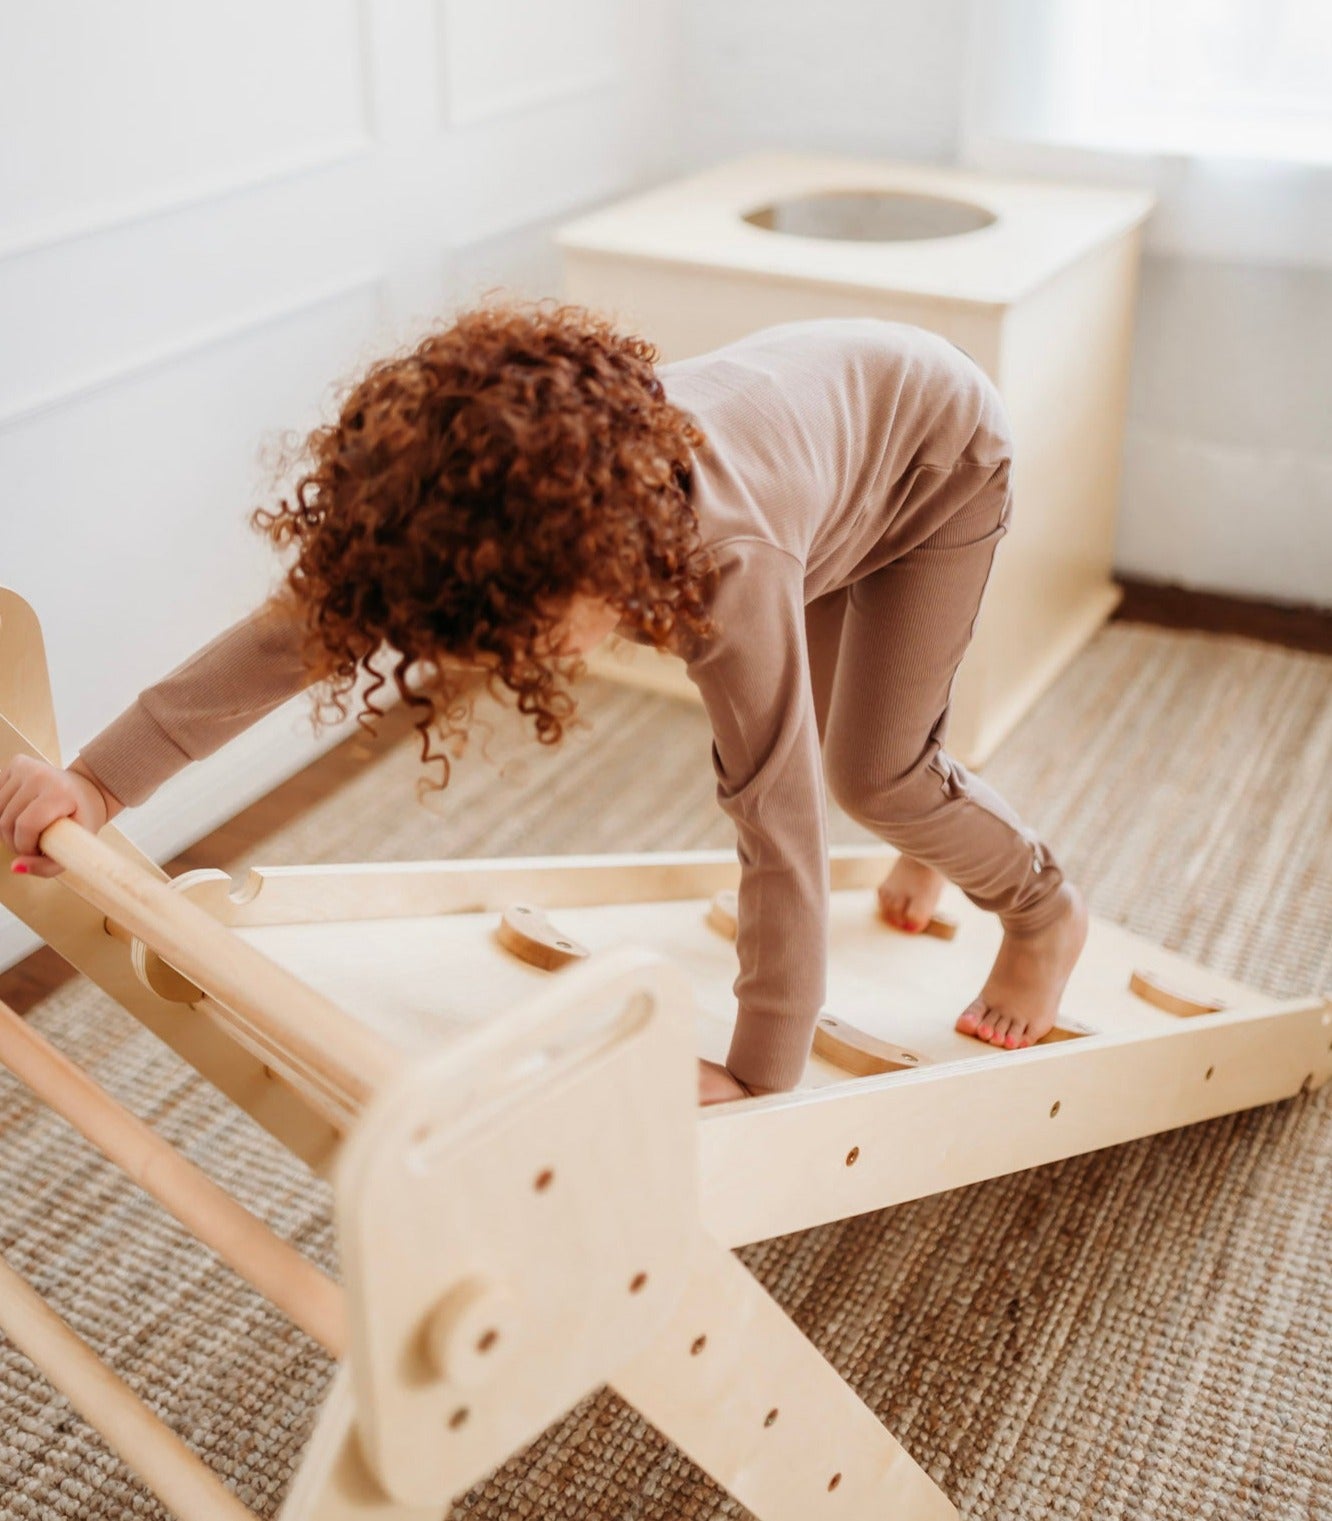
(1141, 1049)
(494, 1061)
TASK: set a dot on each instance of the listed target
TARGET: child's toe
(891, 907)
(969, 1021)
(898, 912)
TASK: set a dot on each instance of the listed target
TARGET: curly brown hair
(467, 490)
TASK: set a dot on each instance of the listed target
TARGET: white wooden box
(1041, 295)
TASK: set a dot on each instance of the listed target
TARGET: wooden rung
(184, 1485)
(244, 1243)
(318, 1035)
(530, 935)
(855, 1051)
(1148, 986)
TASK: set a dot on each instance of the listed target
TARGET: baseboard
(1297, 626)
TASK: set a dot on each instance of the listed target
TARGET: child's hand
(33, 795)
(717, 1086)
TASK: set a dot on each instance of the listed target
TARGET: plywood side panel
(786, 1163)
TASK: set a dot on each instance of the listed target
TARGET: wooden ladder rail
(290, 1016)
(147, 1444)
(305, 1294)
(311, 1299)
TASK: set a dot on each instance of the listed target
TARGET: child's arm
(230, 683)
(754, 681)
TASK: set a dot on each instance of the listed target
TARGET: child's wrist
(111, 806)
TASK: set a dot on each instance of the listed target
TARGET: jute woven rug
(1139, 1334)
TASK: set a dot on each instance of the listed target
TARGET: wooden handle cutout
(859, 1053)
(1148, 986)
(724, 914)
(531, 937)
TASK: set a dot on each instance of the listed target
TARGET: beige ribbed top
(834, 445)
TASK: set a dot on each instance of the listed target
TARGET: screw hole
(1054, 1109)
(521, 910)
(638, 1283)
(853, 1156)
(699, 1343)
(1207, 1076)
(459, 1418)
(543, 1180)
(487, 1340)
(771, 1418)
(834, 1481)
(563, 945)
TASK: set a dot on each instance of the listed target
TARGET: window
(1222, 107)
(1218, 78)
(1229, 78)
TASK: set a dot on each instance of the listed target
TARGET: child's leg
(823, 637)
(905, 631)
(910, 893)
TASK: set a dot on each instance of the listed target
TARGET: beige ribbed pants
(883, 653)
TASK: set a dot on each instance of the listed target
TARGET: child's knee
(883, 803)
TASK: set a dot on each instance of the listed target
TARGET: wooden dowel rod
(318, 1034)
(280, 1273)
(338, 1108)
(184, 1485)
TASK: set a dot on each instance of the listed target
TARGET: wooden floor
(1305, 628)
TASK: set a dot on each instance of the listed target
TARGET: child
(807, 515)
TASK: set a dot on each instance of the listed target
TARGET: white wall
(209, 215)
(1228, 468)
(864, 77)
(1228, 454)
(1228, 451)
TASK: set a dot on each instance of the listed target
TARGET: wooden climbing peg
(527, 932)
(724, 913)
(1148, 986)
(860, 1053)
(1070, 1029)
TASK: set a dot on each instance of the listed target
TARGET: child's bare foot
(909, 894)
(1020, 1000)
(717, 1086)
